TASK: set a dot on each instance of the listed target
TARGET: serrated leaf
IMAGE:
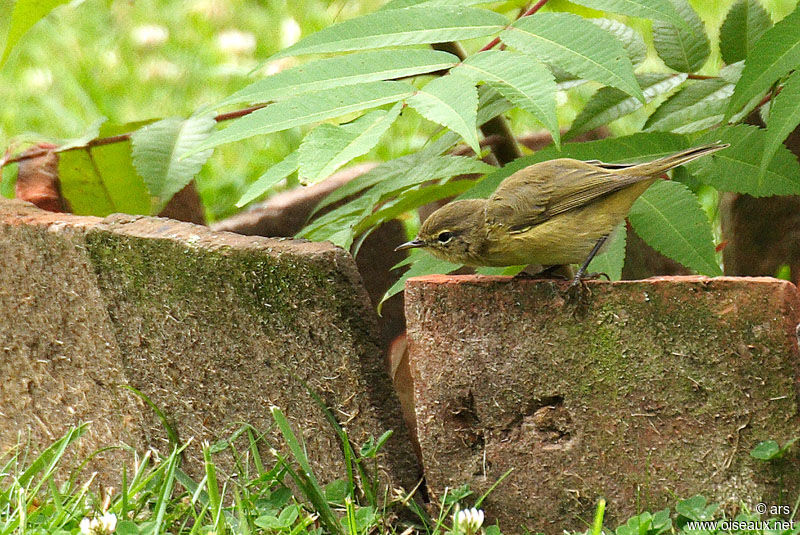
(670, 219)
(272, 176)
(744, 25)
(683, 48)
(698, 106)
(356, 68)
(737, 167)
(311, 108)
(328, 147)
(630, 38)
(23, 14)
(393, 180)
(612, 259)
(389, 170)
(520, 79)
(576, 45)
(438, 168)
(102, 180)
(784, 116)
(421, 264)
(609, 103)
(491, 104)
(395, 27)
(166, 155)
(412, 200)
(661, 10)
(451, 101)
(773, 56)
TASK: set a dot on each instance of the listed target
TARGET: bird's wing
(537, 193)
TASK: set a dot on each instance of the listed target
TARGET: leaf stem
(536, 7)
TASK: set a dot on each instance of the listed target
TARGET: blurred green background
(132, 60)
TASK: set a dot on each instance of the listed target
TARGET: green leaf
(784, 116)
(370, 66)
(698, 106)
(311, 108)
(390, 170)
(611, 260)
(766, 450)
(412, 200)
(609, 103)
(166, 153)
(490, 104)
(637, 525)
(438, 168)
(769, 450)
(631, 39)
(23, 15)
(576, 45)
(521, 79)
(8, 180)
(272, 176)
(328, 147)
(102, 180)
(744, 25)
(695, 508)
(684, 48)
(774, 55)
(737, 167)
(661, 10)
(451, 101)
(422, 264)
(395, 27)
(670, 219)
(410, 173)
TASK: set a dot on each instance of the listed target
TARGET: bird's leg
(582, 271)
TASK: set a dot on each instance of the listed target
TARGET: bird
(550, 213)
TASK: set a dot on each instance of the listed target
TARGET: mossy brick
(642, 393)
(213, 327)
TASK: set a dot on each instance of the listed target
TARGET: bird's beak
(409, 245)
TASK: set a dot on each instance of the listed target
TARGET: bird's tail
(656, 167)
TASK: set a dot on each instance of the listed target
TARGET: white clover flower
(149, 35)
(105, 525)
(468, 520)
(235, 42)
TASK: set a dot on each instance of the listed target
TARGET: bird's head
(452, 232)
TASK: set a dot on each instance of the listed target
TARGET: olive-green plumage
(549, 213)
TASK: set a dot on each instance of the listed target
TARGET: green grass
(281, 495)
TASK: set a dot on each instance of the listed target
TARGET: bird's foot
(578, 292)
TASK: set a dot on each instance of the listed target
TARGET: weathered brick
(648, 390)
(213, 327)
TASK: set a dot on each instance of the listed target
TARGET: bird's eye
(444, 237)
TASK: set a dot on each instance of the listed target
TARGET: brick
(213, 327)
(648, 390)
